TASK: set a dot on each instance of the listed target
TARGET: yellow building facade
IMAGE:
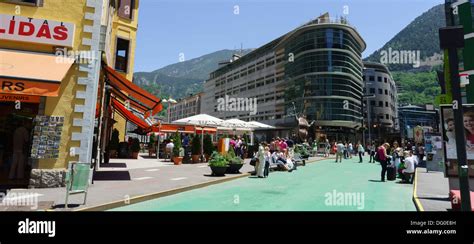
(51, 57)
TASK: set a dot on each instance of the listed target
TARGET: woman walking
(383, 158)
(327, 150)
(268, 157)
(261, 160)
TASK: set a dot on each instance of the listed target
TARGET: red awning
(129, 115)
(141, 99)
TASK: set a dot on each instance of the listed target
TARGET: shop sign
(21, 98)
(24, 29)
(25, 87)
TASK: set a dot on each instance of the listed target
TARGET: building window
(379, 78)
(125, 9)
(386, 104)
(380, 91)
(372, 103)
(372, 90)
(122, 55)
(385, 79)
(386, 92)
(387, 116)
(38, 3)
(380, 104)
(371, 78)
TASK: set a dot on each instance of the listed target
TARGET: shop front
(27, 79)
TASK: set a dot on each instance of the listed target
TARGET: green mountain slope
(183, 78)
(417, 87)
(420, 35)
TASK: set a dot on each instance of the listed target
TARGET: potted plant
(114, 144)
(208, 146)
(135, 148)
(218, 164)
(151, 145)
(235, 163)
(178, 150)
(196, 148)
(302, 150)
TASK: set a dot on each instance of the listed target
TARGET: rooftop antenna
(241, 48)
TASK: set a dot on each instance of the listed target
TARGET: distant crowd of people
(280, 152)
(395, 159)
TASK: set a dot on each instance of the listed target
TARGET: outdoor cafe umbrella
(261, 125)
(201, 120)
(237, 124)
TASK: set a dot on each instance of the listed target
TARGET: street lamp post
(451, 39)
(367, 98)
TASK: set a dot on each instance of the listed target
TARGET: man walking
(361, 151)
(340, 151)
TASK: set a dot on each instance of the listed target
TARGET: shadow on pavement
(69, 205)
(111, 175)
(375, 181)
(210, 175)
(444, 199)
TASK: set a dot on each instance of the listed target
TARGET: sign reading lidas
(20, 28)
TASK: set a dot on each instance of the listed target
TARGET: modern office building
(380, 102)
(411, 116)
(313, 71)
(186, 107)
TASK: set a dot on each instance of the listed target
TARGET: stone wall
(47, 178)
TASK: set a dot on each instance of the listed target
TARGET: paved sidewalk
(432, 191)
(125, 180)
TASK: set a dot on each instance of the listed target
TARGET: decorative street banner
(19, 28)
(46, 137)
(448, 130)
(418, 134)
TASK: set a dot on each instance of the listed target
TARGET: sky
(174, 30)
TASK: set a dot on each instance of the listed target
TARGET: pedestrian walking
(261, 160)
(327, 150)
(268, 157)
(339, 151)
(372, 153)
(350, 149)
(383, 159)
(361, 151)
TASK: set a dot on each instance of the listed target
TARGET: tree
(208, 146)
(177, 144)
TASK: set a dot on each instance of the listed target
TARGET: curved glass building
(313, 71)
(324, 80)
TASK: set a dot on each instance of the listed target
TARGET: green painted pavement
(319, 186)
